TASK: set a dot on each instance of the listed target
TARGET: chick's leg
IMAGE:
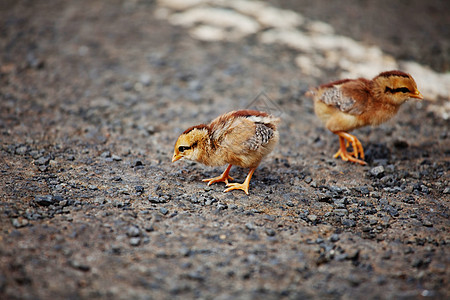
(344, 139)
(242, 186)
(222, 178)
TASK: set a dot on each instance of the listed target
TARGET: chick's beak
(417, 95)
(176, 157)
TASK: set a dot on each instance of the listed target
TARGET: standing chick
(242, 138)
(348, 104)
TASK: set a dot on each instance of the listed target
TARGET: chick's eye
(403, 90)
(183, 148)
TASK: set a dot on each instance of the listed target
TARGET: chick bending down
(242, 138)
(348, 104)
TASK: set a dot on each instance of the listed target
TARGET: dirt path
(93, 96)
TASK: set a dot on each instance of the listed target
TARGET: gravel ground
(93, 96)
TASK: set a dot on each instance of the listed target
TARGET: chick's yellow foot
(345, 156)
(222, 178)
(344, 140)
(241, 186)
(237, 186)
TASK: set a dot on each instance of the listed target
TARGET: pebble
(348, 222)
(163, 210)
(133, 231)
(116, 157)
(43, 160)
(135, 241)
(308, 179)
(22, 150)
(427, 223)
(161, 199)
(127, 86)
(222, 206)
(139, 189)
(270, 232)
(19, 222)
(377, 171)
(312, 218)
(334, 238)
(145, 79)
(250, 226)
(391, 210)
(79, 266)
(45, 200)
(105, 154)
(340, 212)
(43, 168)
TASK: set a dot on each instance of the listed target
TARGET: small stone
(312, 218)
(92, 187)
(133, 231)
(116, 157)
(250, 226)
(334, 238)
(44, 200)
(19, 222)
(145, 79)
(270, 232)
(22, 150)
(127, 86)
(427, 223)
(376, 195)
(308, 179)
(377, 171)
(222, 206)
(116, 178)
(327, 198)
(79, 266)
(447, 190)
(162, 199)
(163, 210)
(43, 168)
(105, 154)
(362, 189)
(348, 222)
(44, 160)
(139, 189)
(135, 241)
(391, 210)
(340, 212)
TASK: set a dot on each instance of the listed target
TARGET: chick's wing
(350, 97)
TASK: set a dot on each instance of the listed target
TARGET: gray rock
(133, 231)
(135, 241)
(19, 222)
(22, 150)
(334, 238)
(348, 222)
(43, 160)
(312, 218)
(378, 171)
(45, 200)
(116, 157)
